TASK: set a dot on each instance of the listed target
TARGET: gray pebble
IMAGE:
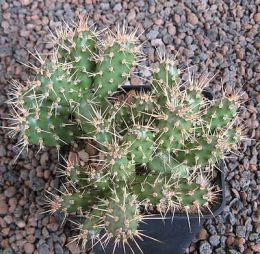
(2, 151)
(205, 248)
(58, 249)
(214, 240)
(37, 184)
(167, 39)
(253, 236)
(10, 192)
(43, 249)
(220, 251)
(104, 6)
(2, 100)
(240, 231)
(117, 7)
(152, 34)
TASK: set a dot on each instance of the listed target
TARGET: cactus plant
(152, 148)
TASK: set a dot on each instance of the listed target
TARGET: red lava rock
(158, 22)
(171, 29)
(5, 24)
(53, 227)
(20, 224)
(24, 33)
(192, 18)
(5, 6)
(2, 223)
(257, 17)
(135, 81)
(74, 248)
(240, 241)
(25, 2)
(177, 18)
(44, 159)
(30, 238)
(156, 42)
(73, 158)
(30, 230)
(131, 15)
(29, 248)
(230, 240)
(5, 243)
(83, 155)
(203, 234)
(256, 248)
(152, 9)
(3, 208)
(248, 251)
(5, 231)
(256, 217)
(46, 174)
(45, 221)
(10, 191)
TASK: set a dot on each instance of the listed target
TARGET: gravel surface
(216, 37)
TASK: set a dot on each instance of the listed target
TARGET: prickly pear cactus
(157, 148)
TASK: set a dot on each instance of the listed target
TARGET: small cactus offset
(156, 148)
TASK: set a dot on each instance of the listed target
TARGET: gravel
(215, 37)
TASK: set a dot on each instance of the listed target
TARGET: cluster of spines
(172, 132)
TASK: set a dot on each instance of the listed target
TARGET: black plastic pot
(174, 235)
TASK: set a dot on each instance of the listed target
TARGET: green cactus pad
(74, 202)
(90, 230)
(114, 68)
(141, 144)
(94, 123)
(220, 114)
(122, 217)
(25, 97)
(82, 58)
(194, 100)
(47, 129)
(190, 194)
(121, 169)
(173, 132)
(59, 85)
(165, 75)
(205, 150)
(165, 164)
(149, 189)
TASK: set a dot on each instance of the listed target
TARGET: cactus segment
(113, 68)
(82, 56)
(194, 100)
(190, 194)
(77, 46)
(171, 191)
(44, 128)
(90, 229)
(122, 217)
(141, 144)
(174, 131)
(204, 151)
(149, 188)
(121, 169)
(58, 85)
(165, 75)
(166, 164)
(220, 114)
(94, 122)
(73, 202)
